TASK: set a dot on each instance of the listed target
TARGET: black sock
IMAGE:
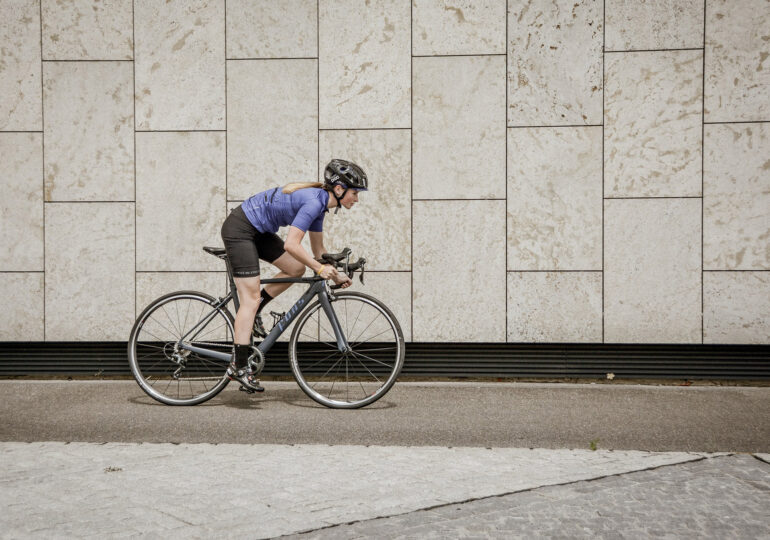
(265, 299)
(242, 353)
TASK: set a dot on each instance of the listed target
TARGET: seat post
(233, 288)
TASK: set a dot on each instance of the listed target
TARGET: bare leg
(290, 267)
(248, 294)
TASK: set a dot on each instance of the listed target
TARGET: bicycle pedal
(247, 390)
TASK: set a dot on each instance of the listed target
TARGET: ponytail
(294, 186)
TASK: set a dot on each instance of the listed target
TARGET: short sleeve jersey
(271, 209)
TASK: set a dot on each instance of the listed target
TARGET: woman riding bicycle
(249, 234)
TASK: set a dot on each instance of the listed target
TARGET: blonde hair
(294, 186)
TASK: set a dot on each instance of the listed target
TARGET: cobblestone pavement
(721, 497)
(255, 491)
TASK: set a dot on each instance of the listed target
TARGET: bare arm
(317, 244)
(293, 246)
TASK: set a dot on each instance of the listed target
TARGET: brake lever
(347, 260)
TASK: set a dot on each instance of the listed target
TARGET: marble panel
(458, 130)
(365, 70)
(554, 63)
(736, 307)
(22, 316)
(21, 206)
(459, 279)
(737, 82)
(269, 29)
(458, 27)
(555, 198)
(88, 30)
(653, 129)
(273, 124)
(180, 193)
(89, 131)
(394, 289)
(736, 197)
(180, 67)
(152, 285)
(652, 271)
(89, 271)
(21, 107)
(379, 227)
(557, 307)
(654, 24)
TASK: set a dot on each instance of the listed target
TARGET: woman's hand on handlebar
(328, 271)
(342, 280)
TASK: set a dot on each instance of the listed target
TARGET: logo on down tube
(283, 323)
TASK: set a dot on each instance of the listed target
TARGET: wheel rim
(168, 373)
(354, 378)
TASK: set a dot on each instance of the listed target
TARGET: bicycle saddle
(216, 251)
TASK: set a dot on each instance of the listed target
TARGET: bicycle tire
(303, 356)
(151, 362)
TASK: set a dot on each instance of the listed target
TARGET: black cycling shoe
(246, 377)
(259, 329)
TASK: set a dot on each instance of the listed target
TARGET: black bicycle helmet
(347, 174)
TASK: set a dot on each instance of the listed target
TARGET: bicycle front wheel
(359, 376)
(166, 372)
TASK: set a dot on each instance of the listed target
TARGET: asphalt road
(534, 415)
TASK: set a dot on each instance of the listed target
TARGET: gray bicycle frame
(318, 288)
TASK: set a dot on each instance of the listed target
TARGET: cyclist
(249, 234)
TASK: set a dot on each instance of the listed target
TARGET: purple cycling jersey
(271, 209)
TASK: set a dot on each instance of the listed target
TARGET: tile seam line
(654, 50)
(727, 122)
(514, 492)
(760, 459)
(42, 159)
(133, 106)
(703, 179)
(87, 60)
(270, 59)
(556, 126)
(471, 55)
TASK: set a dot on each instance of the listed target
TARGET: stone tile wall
(567, 171)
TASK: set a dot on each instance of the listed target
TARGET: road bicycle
(346, 348)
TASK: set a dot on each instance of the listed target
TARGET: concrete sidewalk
(253, 491)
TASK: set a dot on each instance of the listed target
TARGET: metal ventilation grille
(736, 362)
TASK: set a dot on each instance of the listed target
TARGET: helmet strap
(339, 199)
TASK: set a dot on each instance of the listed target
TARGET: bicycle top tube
(292, 280)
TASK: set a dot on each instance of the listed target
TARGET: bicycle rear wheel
(166, 372)
(360, 376)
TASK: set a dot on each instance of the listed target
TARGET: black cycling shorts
(245, 245)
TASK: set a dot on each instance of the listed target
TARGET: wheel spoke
(170, 320)
(367, 369)
(372, 359)
(371, 338)
(367, 327)
(171, 332)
